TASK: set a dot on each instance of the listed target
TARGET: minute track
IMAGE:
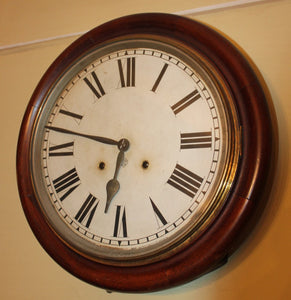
(125, 75)
(204, 224)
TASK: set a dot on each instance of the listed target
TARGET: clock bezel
(168, 245)
(246, 198)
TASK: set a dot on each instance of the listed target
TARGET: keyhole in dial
(101, 165)
(145, 164)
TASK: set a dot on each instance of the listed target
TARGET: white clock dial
(144, 153)
(163, 183)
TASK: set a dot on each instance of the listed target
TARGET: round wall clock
(145, 152)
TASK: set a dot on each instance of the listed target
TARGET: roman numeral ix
(62, 150)
(185, 181)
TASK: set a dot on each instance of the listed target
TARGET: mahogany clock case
(247, 196)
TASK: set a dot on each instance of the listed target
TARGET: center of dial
(146, 122)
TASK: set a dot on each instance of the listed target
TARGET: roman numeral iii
(66, 183)
(127, 72)
(185, 181)
(194, 140)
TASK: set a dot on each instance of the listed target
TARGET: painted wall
(261, 268)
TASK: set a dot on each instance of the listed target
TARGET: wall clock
(144, 153)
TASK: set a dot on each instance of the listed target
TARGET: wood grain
(248, 195)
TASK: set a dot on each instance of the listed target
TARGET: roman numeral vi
(120, 227)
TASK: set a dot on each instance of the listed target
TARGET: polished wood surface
(248, 195)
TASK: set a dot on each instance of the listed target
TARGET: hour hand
(113, 185)
(112, 188)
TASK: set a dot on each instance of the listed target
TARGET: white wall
(261, 268)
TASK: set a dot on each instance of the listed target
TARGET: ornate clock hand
(182, 115)
(100, 139)
(113, 185)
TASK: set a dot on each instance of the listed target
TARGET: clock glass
(134, 151)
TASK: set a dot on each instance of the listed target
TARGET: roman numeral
(98, 89)
(127, 73)
(120, 228)
(194, 140)
(162, 73)
(186, 101)
(87, 210)
(66, 183)
(158, 214)
(65, 149)
(75, 116)
(185, 181)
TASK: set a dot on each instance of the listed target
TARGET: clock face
(145, 153)
(132, 153)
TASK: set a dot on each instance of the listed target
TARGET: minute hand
(100, 139)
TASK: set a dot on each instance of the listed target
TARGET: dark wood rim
(247, 197)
